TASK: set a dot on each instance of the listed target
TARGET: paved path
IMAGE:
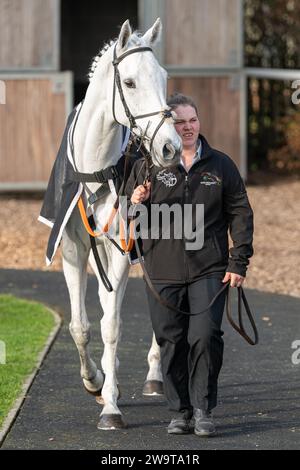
(259, 405)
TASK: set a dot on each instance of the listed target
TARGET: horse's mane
(135, 40)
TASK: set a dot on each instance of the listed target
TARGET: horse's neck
(97, 138)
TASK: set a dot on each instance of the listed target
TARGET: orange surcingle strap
(125, 246)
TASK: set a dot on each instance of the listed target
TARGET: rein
(225, 288)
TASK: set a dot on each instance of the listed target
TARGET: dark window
(85, 28)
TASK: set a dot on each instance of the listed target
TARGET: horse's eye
(129, 83)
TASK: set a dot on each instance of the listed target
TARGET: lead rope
(226, 288)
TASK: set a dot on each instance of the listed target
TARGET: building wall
(204, 33)
(218, 102)
(202, 50)
(38, 95)
(29, 35)
(31, 126)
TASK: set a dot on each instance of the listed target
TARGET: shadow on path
(258, 389)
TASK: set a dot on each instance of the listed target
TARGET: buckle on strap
(93, 198)
(99, 176)
(108, 173)
(115, 172)
(101, 192)
(167, 113)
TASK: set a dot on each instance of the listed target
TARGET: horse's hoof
(153, 388)
(96, 394)
(111, 422)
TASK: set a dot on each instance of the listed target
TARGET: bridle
(165, 113)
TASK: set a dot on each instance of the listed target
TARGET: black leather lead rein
(241, 298)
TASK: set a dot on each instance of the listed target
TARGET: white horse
(97, 144)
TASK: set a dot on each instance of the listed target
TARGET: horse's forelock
(136, 39)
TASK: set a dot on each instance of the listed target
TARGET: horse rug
(62, 194)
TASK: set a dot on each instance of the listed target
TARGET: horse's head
(142, 82)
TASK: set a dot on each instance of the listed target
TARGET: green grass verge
(24, 328)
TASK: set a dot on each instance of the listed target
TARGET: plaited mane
(135, 41)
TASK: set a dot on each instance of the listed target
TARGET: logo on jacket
(209, 179)
(168, 178)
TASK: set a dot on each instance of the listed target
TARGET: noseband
(165, 113)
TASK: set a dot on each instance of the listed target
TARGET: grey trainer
(204, 425)
(179, 426)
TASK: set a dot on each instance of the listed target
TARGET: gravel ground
(274, 267)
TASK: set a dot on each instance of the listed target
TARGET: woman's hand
(141, 193)
(235, 279)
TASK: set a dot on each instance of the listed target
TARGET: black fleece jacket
(214, 181)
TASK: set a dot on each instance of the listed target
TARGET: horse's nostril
(168, 152)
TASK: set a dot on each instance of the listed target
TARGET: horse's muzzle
(171, 154)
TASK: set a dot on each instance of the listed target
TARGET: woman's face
(187, 125)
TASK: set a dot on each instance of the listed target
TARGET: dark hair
(178, 99)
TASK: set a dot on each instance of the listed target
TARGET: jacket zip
(186, 198)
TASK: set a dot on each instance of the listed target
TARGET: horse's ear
(124, 35)
(153, 34)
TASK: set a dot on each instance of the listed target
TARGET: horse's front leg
(75, 253)
(111, 331)
(117, 269)
(154, 381)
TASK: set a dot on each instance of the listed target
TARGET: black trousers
(191, 345)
